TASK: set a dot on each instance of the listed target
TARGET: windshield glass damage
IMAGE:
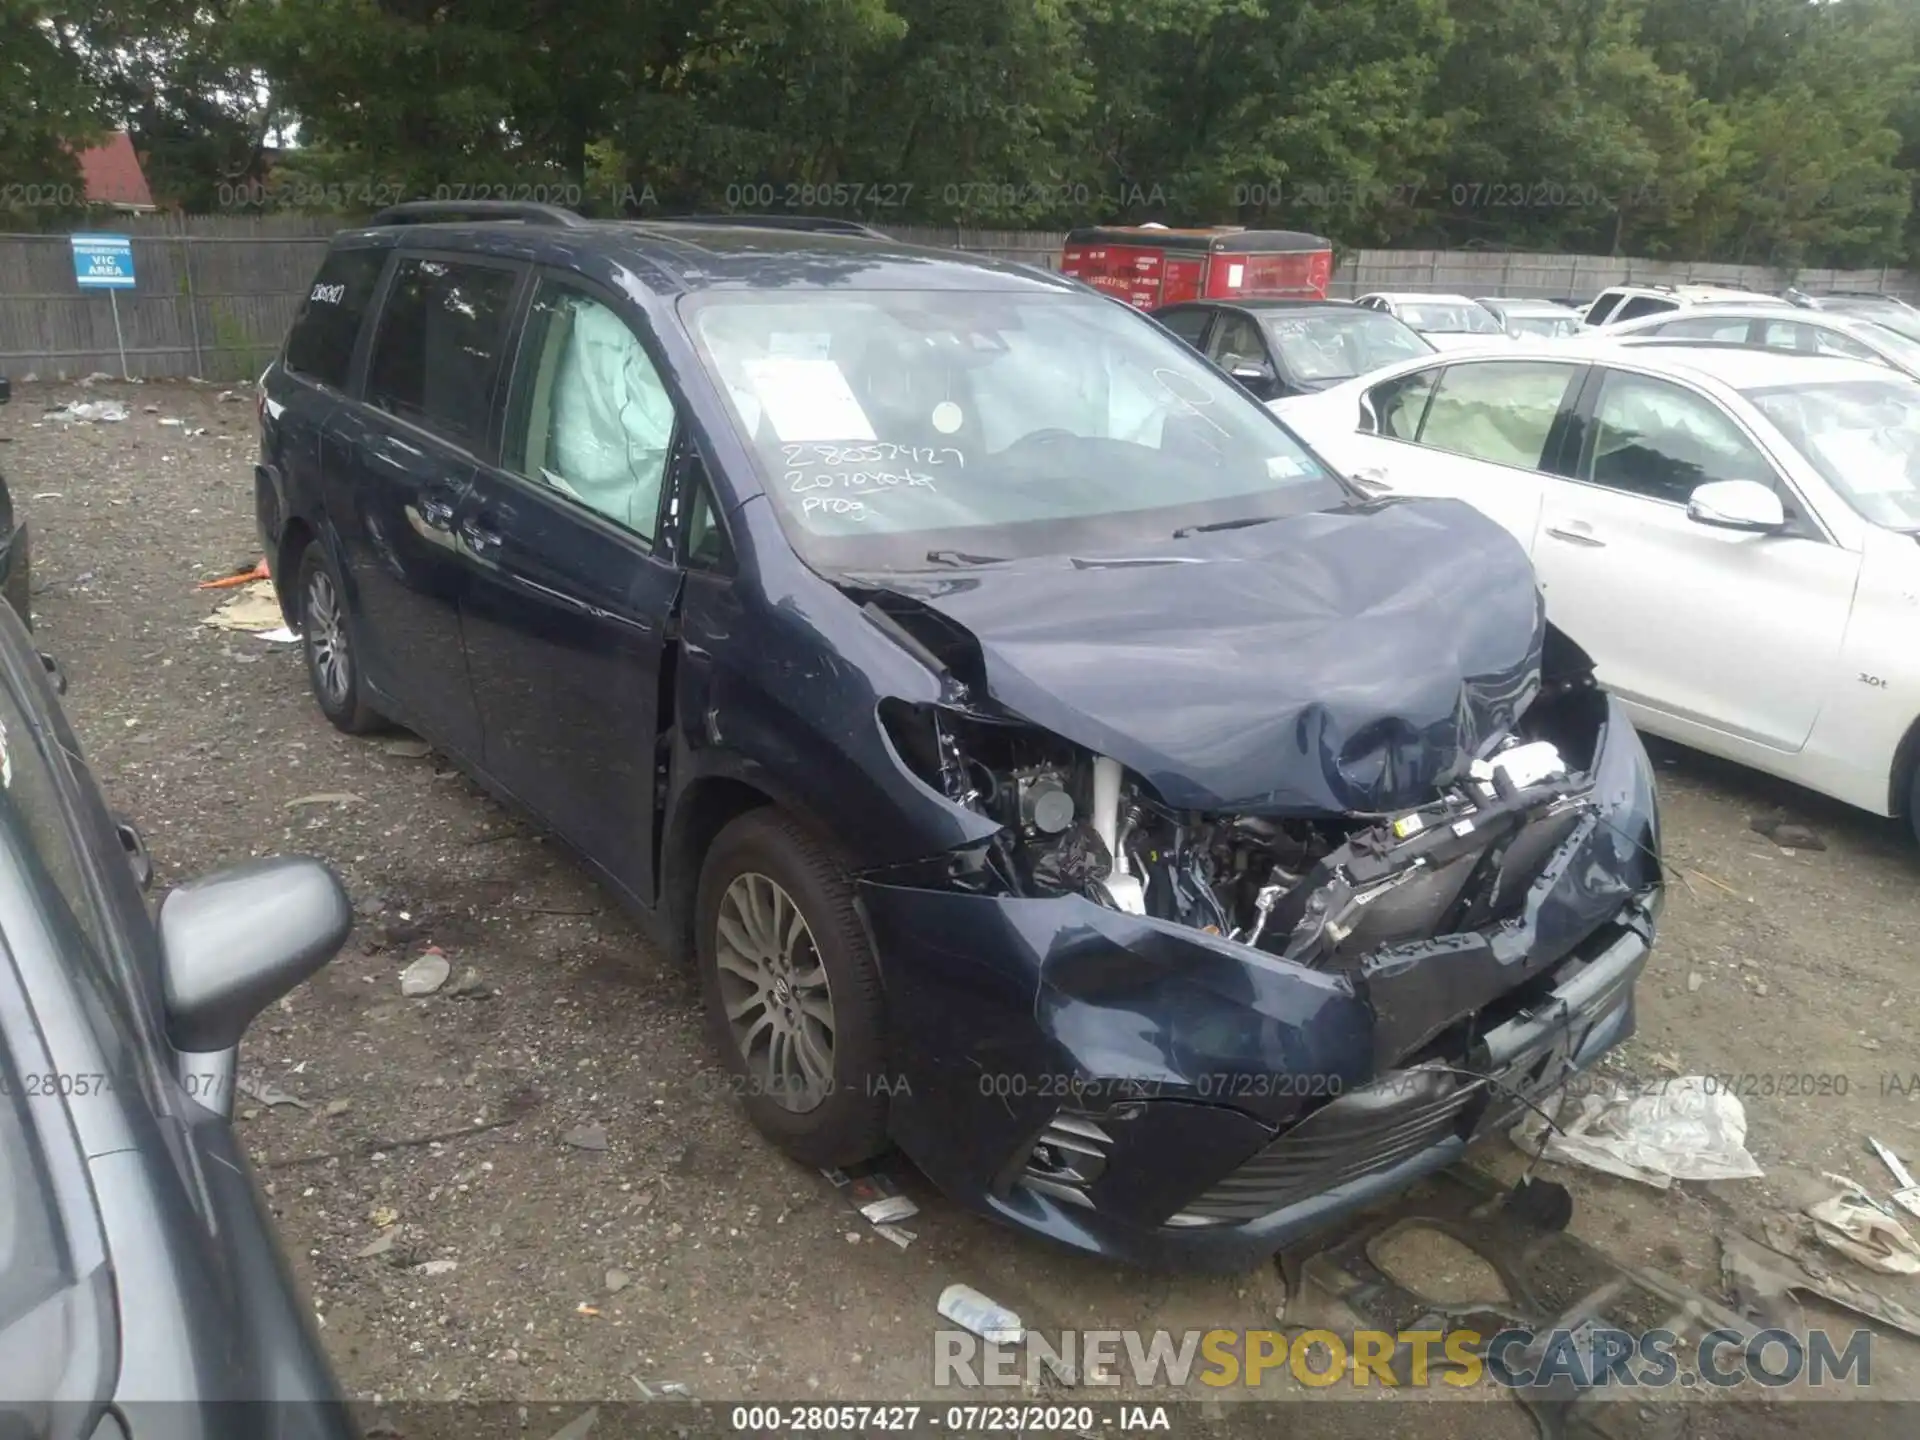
(1333, 347)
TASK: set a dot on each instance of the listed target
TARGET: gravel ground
(558, 1135)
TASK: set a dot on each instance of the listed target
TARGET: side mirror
(1255, 376)
(1737, 505)
(233, 942)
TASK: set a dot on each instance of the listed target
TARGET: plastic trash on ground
(1667, 1130)
(1854, 1224)
(987, 1318)
(93, 411)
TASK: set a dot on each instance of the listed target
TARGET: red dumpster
(1149, 266)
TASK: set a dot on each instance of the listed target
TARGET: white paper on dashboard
(808, 399)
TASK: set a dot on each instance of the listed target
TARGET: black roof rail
(435, 212)
(815, 224)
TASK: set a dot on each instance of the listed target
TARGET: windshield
(1894, 317)
(892, 424)
(1541, 323)
(1902, 350)
(1337, 345)
(1442, 318)
(1863, 436)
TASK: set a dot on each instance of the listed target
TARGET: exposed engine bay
(1319, 890)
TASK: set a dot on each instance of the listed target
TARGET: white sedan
(1449, 322)
(1733, 536)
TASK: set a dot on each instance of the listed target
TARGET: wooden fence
(215, 294)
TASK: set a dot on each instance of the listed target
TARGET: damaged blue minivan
(1054, 769)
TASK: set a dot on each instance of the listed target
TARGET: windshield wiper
(1185, 530)
(961, 557)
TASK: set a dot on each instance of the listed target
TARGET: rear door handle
(479, 538)
(1581, 536)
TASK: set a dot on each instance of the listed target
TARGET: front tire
(333, 669)
(792, 990)
(1913, 804)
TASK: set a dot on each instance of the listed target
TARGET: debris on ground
(325, 797)
(1785, 834)
(655, 1391)
(470, 986)
(618, 1280)
(1681, 1129)
(406, 747)
(586, 1137)
(1543, 1205)
(168, 420)
(1907, 1197)
(437, 1267)
(268, 1093)
(579, 1427)
(252, 609)
(338, 1107)
(92, 412)
(375, 1247)
(282, 636)
(592, 1312)
(1856, 1225)
(383, 1216)
(898, 1234)
(989, 1319)
(1760, 1273)
(239, 575)
(425, 975)
(874, 1195)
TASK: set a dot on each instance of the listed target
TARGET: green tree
(48, 106)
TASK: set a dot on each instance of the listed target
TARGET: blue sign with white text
(103, 262)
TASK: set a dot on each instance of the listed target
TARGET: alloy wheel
(326, 633)
(778, 1003)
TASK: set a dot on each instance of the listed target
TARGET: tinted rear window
(1644, 305)
(441, 333)
(321, 344)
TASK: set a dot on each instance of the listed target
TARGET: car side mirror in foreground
(234, 942)
(1737, 505)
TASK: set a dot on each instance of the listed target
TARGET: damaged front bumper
(1152, 1093)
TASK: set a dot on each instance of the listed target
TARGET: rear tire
(333, 669)
(792, 990)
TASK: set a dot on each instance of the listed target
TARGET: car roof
(1753, 310)
(1698, 293)
(1445, 296)
(1520, 302)
(1342, 307)
(673, 257)
(1738, 366)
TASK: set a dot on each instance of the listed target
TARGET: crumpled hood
(1329, 662)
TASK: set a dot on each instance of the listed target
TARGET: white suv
(1632, 302)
